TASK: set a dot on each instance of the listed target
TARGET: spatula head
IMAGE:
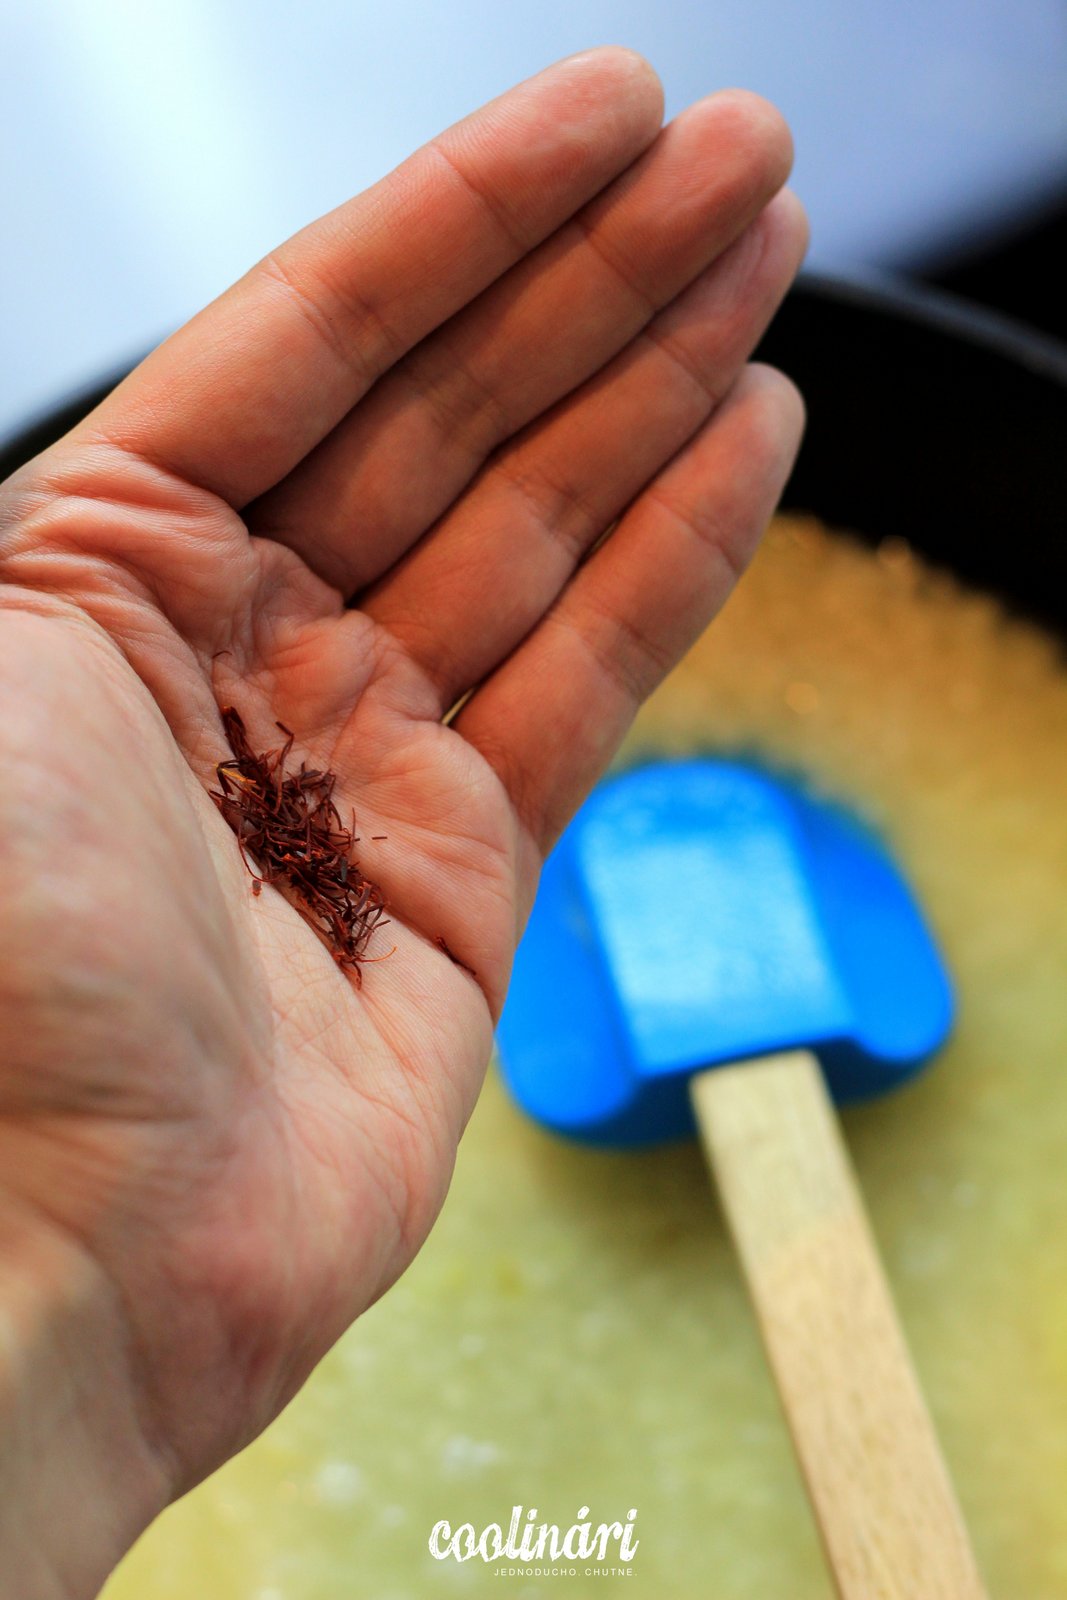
(700, 912)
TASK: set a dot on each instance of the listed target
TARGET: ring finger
(470, 592)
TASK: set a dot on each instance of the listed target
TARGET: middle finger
(396, 462)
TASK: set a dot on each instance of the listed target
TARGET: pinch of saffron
(290, 834)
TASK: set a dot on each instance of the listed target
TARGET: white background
(152, 152)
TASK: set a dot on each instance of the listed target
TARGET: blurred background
(154, 151)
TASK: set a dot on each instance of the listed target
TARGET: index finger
(240, 394)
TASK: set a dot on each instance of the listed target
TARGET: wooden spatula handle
(882, 1496)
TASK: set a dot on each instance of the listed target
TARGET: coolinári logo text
(605, 1548)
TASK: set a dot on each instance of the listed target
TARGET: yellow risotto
(575, 1334)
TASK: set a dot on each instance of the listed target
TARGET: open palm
(366, 481)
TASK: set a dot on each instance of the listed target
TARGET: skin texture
(364, 482)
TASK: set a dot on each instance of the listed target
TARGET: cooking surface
(575, 1332)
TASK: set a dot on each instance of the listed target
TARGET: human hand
(365, 481)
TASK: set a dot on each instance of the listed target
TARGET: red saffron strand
(290, 833)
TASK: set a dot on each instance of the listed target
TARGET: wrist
(78, 1480)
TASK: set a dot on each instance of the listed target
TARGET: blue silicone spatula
(714, 951)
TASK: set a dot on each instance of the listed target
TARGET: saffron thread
(291, 835)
